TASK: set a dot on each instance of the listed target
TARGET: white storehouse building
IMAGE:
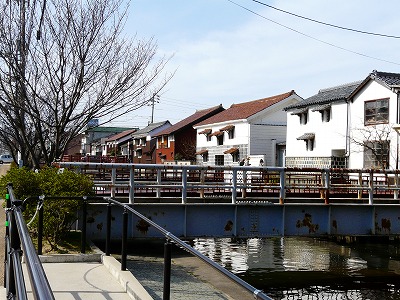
(246, 132)
(349, 126)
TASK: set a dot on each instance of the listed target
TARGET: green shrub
(60, 214)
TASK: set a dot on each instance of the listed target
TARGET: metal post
(113, 181)
(167, 271)
(108, 236)
(371, 188)
(326, 186)
(396, 186)
(158, 190)
(184, 185)
(360, 183)
(234, 186)
(40, 231)
(131, 185)
(83, 230)
(282, 192)
(124, 239)
(202, 181)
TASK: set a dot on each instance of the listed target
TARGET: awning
(300, 111)
(217, 133)
(231, 151)
(321, 107)
(227, 128)
(202, 152)
(205, 131)
(307, 136)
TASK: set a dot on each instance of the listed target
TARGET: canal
(307, 268)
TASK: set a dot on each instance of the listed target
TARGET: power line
(328, 24)
(314, 38)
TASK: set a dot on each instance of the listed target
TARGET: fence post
(108, 236)
(282, 190)
(360, 183)
(131, 184)
(234, 186)
(184, 185)
(158, 190)
(167, 270)
(83, 230)
(40, 228)
(202, 182)
(371, 188)
(326, 186)
(124, 239)
(396, 186)
(113, 181)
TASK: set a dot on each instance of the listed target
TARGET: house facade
(348, 126)
(178, 142)
(251, 132)
(118, 144)
(144, 142)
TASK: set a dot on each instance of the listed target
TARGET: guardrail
(258, 294)
(18, 241)
(238, 182)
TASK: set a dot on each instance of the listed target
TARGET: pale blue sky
(225, 54)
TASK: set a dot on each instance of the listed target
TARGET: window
(376, 112)
(235, 156)
(205, 157)
(208, 137)
(376, 154)
(309, 139)
(231, 133)
(139, 152)
(220, 139)
(303, 115)
(219, 160)
(325, 110)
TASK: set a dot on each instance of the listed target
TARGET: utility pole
(153, 101)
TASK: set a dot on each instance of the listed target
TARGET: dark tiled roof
(246, 109)
(145, 131)
(329, 95)
(391, 79)
(198, 116)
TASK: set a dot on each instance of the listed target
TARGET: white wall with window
(327, 125)
(373, 114)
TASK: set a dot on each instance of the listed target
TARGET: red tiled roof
(231, 150)
(202, 152)
(198, 116)
(120, 135)
(246, 109)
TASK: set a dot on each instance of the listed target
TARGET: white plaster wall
(240, 137)
(328, 135)
(372, 91)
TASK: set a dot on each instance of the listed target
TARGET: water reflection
(305, 267)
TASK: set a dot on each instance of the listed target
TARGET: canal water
(306, 268)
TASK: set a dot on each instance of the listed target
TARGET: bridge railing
(237, 182)
(18, 241)
(41, 286)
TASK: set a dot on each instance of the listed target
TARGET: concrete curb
(125, 278)
(130, 284)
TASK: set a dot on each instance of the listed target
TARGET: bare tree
(64, 63)
(374, 142)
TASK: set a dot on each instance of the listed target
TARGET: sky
(234, 51)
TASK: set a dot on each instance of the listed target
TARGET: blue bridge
(245, 201)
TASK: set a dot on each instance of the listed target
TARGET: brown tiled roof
(246, 109)
(205, 131)
(231, 150)
(120, 135)
(198, 116)
(201, 152)
(227, 128)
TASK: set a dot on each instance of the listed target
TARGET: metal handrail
(17, 236)
(258, 294)
(284, 179)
